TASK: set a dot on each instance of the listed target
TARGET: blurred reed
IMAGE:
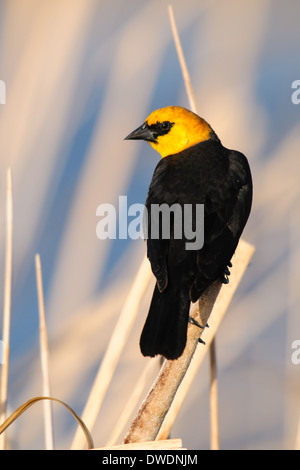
(44, 352)
(133, 401)
(7, 303)
(114, 349)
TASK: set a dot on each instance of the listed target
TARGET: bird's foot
(194, 322)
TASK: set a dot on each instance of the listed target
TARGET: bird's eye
(165, 125)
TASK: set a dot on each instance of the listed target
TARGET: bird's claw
(194, 322)
(224, 279)
(226, 273)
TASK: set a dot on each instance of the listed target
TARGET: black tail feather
(165, 329)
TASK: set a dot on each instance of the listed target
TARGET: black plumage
(206, 173)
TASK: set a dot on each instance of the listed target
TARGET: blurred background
(79, 77)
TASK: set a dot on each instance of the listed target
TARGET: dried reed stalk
(44, 352)
(214, 419)
(154, 409)
(7, 304)
(184, 69)
(34, 400)
(193, 106)
(297, 442)
(114, 349)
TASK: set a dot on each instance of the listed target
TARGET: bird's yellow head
(173, 129)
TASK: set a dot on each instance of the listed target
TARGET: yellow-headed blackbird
(195, 169)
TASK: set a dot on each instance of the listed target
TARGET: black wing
(227, 208)
(157, 248)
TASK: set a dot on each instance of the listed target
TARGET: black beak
(141, 133)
